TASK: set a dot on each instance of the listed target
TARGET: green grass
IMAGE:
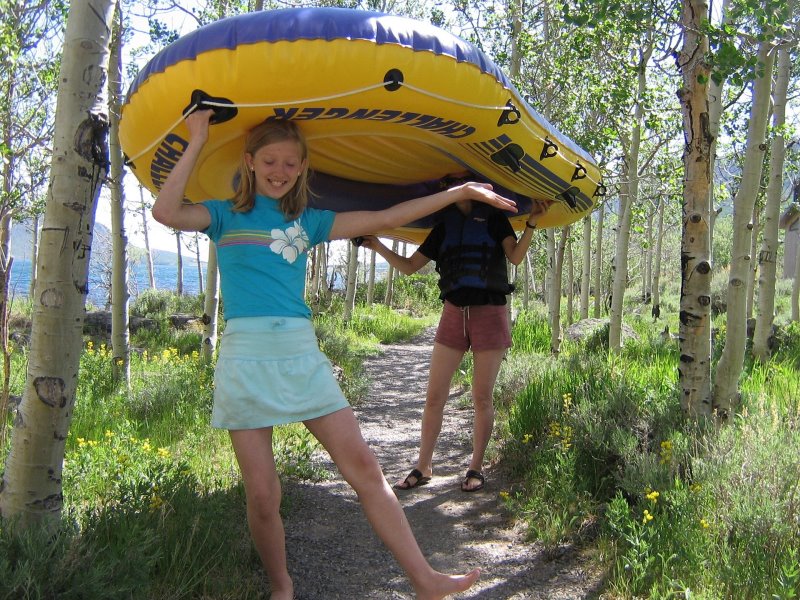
(595, 445)
(675, 511)
(153, 503)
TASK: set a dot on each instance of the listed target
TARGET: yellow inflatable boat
(390, 107)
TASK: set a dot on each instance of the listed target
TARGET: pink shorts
(477, 327)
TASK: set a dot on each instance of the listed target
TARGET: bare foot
(443, 585)
(282, 594)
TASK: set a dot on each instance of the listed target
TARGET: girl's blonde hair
(271, 132)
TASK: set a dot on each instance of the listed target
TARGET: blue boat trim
(292, 24)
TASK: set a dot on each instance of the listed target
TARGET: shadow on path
(333, 552)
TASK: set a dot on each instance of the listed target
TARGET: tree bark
(796, 290)
(694, 369)
(752, 267)
(729, 368)
(655, 293)
(352, 281)
(647, 262)
(211, 306)
(768, 256)
(570, 283)
(198, 262)
(31, 490)
(148, 252)
(34, 253)
(390, 279)
(586, 267)
(371, 280)
(179, 251)
(120, 336)
(598, 263)
(555, 293)
(628, 196)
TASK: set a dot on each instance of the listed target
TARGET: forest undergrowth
(595, 444)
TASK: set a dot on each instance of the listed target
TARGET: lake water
(166, 276)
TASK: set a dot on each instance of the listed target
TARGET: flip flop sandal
(419, 479)
(472, 474)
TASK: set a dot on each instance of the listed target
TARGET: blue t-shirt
(262, 257)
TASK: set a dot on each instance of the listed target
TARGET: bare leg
(444, 362)
(485, 369)
(253, 448)
(340, 435)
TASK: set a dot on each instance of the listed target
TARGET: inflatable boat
(391, 108)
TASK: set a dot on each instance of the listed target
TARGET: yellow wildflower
(504, 495)
(647, 517)
(704, 524)
(653, 496)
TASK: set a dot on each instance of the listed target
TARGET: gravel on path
(334, 554)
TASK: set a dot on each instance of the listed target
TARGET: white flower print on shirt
(290, 243)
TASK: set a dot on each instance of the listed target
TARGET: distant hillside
(21, 245)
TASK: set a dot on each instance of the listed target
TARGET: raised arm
(405, 264)
(169, 208)
(363, 222)
(514, 248)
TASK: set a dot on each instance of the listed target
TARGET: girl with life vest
(270, 370)
(470, 247)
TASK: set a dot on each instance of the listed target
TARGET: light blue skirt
(270, 371)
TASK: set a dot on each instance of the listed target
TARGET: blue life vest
(468, 256)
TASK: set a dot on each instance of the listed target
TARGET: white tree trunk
(371, 280)
(714, 115)
(323, 269)
(179, 275)
(647, 262)
(198, 262)
(570, 282)
(627, 198)
(655, 292)
(143, 210)
(586, 266)
(526, 290)
(550, 269)
(694, 369)
(34, 253)
(352, 281)
(768, 257)
(120, 336)
(619, 264)
(755, 228)
(729, 368)
(211, 306)
(554, 304)
(598, 263)
(796, 290)
(312, 284)
(31, 489)
(390, 278)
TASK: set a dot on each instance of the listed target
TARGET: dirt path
(334, 554)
